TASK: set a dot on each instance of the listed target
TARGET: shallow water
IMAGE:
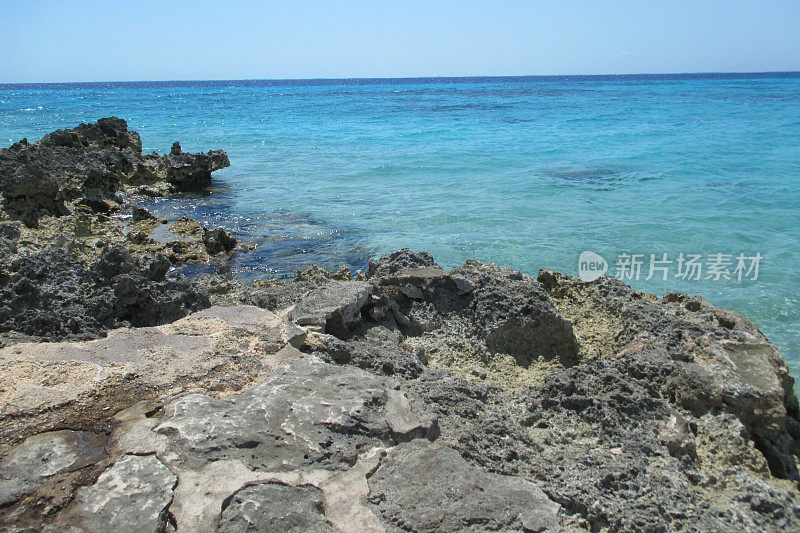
(526, 172)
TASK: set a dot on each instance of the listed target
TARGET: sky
(132, 40)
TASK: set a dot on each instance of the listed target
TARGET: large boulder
(110, 132)
(191, 172)
(218, 241)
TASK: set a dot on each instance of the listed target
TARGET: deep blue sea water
(525, 172)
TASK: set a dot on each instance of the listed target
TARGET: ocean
(692, 178)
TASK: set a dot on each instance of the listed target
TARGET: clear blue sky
(84, 40)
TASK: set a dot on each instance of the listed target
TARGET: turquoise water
(526, 172)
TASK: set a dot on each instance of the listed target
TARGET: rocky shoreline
(407, 397)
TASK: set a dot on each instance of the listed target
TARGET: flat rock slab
(307, 412)
(423, 486)
(49, 385)
(275, 507)
(132, 495)
(281, 453)
(305, 422)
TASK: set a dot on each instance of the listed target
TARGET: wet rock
(139, 237)
(218, 241)
(140, 214)
(132, 495)
(103, 206)
(192, 172)
(183, 240)
(318, 275)
(45, 455)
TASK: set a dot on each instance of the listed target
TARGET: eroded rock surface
(286, 439)
(276, 507)
(54, 296)
(414, 399)
(308, 412)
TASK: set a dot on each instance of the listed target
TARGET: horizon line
(408, 78)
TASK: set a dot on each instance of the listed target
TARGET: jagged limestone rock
(88, 164)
